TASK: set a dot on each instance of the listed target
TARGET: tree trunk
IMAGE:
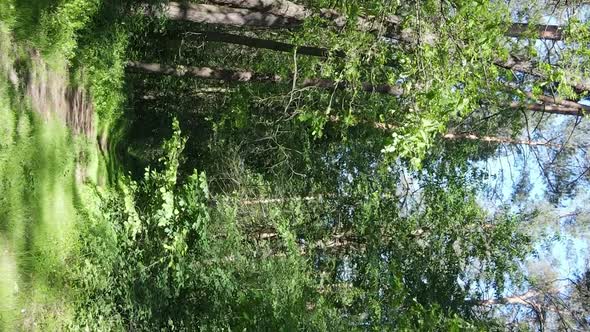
(299, 13)
(262, 201)
(550, 108)
(202, 72)
(503, 140)
(572, 105)
(528, 67)
(473, 137)
(295, 11)
(250, 76)
(523, 299)
(211, 14)
(452, 136)
(275, 7)
(569, 106)
(285, 14)
(547, 32)
(229, 38)
(512, 63)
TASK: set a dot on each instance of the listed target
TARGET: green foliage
(172, 262)
(58, 28)
(161, 254)
(50, 25)
(41, 164)
(303, 221)
(101, 61)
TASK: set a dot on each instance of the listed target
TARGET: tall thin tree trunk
(503, 140)
(524, 299)
(229, 38)
(391, 23)
(299, 13)
(524, 66)
(376, 125)
(569, 106)
(285, 14)
(263, 201)
(211, 14)
(250, 76)
(528, 67)
(550, 108)
(466, 136)
(542, 31)
(203, 72)
(276, 7)
(572, 105)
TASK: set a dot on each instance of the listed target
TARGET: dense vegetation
(262, 165)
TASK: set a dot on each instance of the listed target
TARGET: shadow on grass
(41, 190)
(38, 213)
(29, 15)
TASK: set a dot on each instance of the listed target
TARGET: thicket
(163, 253)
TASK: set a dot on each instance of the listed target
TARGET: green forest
(294, 165)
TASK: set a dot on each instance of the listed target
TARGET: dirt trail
(42, 169)
(49, 92)
(51, 96)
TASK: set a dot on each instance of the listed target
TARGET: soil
(50, 92)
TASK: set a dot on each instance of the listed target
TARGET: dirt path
(43, 167)
(51, 96)
(49, 92)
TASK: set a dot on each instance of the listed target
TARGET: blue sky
(569, 254)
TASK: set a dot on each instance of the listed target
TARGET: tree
(294, 126)
(296, 12)
(353, 260)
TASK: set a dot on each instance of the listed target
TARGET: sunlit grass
(37, 181)
(48, 176)
(49, 26)
(39, 205)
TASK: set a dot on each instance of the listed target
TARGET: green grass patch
(50, 26)
(44, 169)
(38, 165)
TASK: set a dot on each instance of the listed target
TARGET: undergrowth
(87, 36)
(39, 204)
(50, 26)
(48, 175)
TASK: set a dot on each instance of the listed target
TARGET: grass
(85, 40)
(38, 164)
(48, 25)
(47, 174)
